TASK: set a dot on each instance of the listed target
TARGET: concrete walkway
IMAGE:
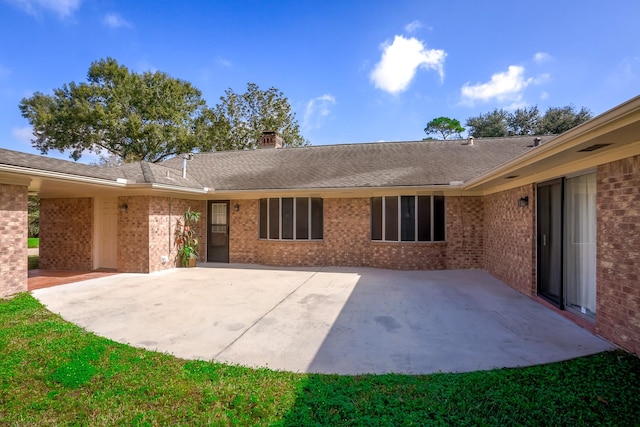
(328, 320)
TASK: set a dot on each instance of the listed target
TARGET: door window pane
(408, 218)
(218, 213)
(302, 218)
(287, 218)
(391, 218)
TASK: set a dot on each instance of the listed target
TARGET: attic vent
(512, 176)
(593, 147)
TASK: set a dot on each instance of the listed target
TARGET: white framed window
(291, 218)
(407, 219)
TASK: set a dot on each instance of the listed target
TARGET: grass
(33, 242)
(33, 262)
(54, 373)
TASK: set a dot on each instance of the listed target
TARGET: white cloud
(541, 57)
(23, 134)
(63, 8)
(544, 95)
(4, 72)
(503, 87)
(114, 20)
(224, 62)
(317, 110)
(401, 59)
(413, 26)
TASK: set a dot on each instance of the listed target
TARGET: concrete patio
(326, 320)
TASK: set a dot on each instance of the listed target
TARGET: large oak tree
(125, 117)
(149, 116)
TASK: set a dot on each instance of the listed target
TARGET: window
(291, 218)
(407, 218)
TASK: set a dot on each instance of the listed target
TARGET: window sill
(438, 242)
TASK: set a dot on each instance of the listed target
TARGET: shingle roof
(139, 173)
(388, 164)
(370, 165)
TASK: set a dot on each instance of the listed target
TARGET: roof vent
(470, 140)
(270, 140)
(536, 141)
(594, 147)
(185, 157)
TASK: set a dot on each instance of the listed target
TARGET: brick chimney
(269, 140)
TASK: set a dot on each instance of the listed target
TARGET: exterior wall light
(123, 208)
(523, 202)
(236, 207)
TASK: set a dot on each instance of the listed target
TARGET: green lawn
(54, 373)
(33, 262)
(33, 242)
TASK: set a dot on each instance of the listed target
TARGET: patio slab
(325, 320)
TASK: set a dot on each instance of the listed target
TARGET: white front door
(106, 243)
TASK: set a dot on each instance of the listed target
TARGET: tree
(33, 216)
(444, 126)
(523, 121)
(527, 121)
(238, 120)
(560, 119)
(148, 116)
(493, 124)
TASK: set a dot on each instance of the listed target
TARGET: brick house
(556, 217)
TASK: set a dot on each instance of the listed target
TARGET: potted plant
(186, 238)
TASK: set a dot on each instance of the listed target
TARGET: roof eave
(565, 141)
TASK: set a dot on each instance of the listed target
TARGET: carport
(326, 320)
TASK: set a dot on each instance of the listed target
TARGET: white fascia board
(59, 176)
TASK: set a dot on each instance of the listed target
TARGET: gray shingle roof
(388, 164)
(382, 164)
(139, 173)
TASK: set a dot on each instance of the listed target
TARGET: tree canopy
(444, 126)
(527, 121)
(148, 116)
(124, 116)
(239, 119)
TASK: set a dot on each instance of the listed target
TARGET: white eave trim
(119, 182)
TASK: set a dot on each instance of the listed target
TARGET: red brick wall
(465, 232)
(13, 239)
(133, 235)
(146, 232)
(509, 238)
(618, 253)
(66, 234)
(347, 239)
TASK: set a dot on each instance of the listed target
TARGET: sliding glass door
(580, 244)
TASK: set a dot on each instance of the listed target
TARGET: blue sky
(353, 71)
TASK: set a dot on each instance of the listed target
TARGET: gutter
(118, 182)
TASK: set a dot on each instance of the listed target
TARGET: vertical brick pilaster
(13, 239)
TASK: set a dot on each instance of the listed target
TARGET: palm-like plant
(186, 239)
